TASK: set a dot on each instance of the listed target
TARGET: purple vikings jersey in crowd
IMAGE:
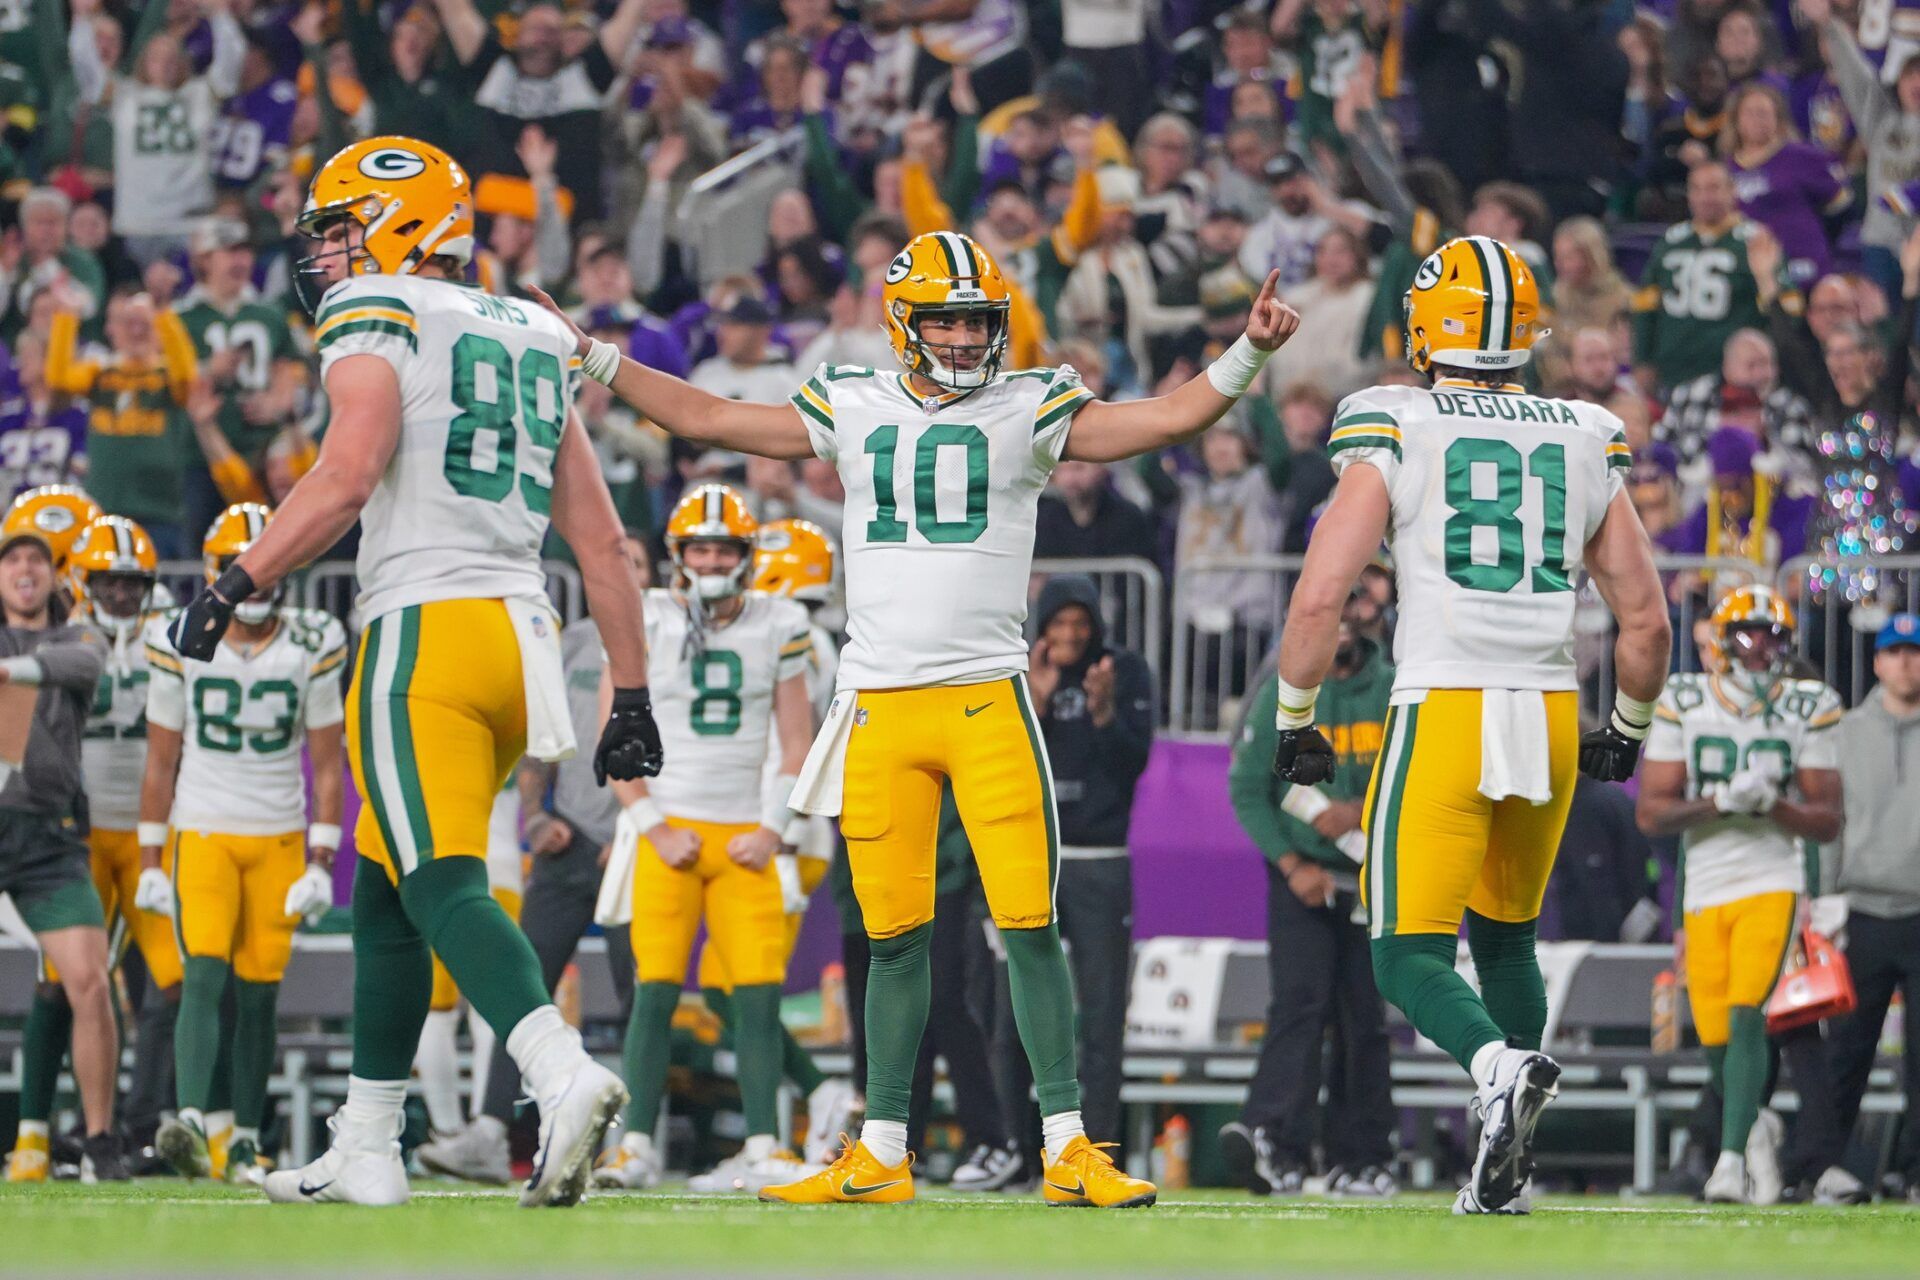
(252, 133)
(38, 446)
(838, 52)
(1788, 193)
(1820, 114)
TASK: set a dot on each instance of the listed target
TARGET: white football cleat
(1727, 1184)
(740, 1174)
(1523, 1084)
(1764, 1182)
(573, 1122)
(475, 1153)
(1838, 1186)
(1519, 1207)
(634, 1165)
(829, 1114)
(368, 1172)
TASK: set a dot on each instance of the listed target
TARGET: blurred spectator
(1889, 124)
(1515, 216)
(43, 437)
(90, 230)
(1749, 514)
(1790, 187)
(1460, 86)
(42, 255)
(1244, 55)
(988, 37)
(1696, 409)
(1698, 287)
(255, 127)
(775, 108)
(1565, 123)
(1173, 197)
(1651, 99)
(1685, 138)
(1330, 40)
(1589, 370)
(1082, 515)
(1110, 297)
(1655, 493)
(1302, 211)
(1588, 290)
(1740, 40)
(410, 94)
(1249, 147)
(744, 367)
(1333, 305)
(1109, 39)
(1305, 416)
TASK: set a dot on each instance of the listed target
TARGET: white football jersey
(486, 385)
(942, 495)
(1717, 726)
(713, 701)
(1494, 496)
(243, 721)
(113, 752)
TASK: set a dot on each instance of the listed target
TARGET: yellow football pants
(744, 910)
(1735, 952)
(446, 994)
(230, 897)
(116, 873)
(1435, 845)
(713, 966)
(985, 739)
(436, 719)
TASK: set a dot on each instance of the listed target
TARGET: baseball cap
(1901, 628)
(670, 33)
(217, 233)
(747, 309)
(1287, 164)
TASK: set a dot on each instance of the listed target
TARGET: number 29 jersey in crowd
(1494, 494)
(243, 720)
(486, 384)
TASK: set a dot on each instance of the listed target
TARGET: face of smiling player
(959, 339)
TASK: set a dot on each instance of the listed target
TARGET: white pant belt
(1088, 852)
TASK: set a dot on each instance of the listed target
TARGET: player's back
(1495, 494)
(485, 387)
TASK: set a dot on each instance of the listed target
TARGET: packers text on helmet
(1474, 305)
(231, 533)
(711, 513)
(794, 558)
(945, 276)
(55, 514)
(410, 200)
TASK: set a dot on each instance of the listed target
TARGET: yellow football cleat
(855, 1178)
(1085, 1175)
(29, 1162)
(217, 1142)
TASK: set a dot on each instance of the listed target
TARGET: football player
(453, 442)
(1491, 498)
(730, 665)
(223, 770)
(1741, 765)
(943, 462)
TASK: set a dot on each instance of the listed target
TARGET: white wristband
(323, 835)
(778, 811)
(149, 834)
(22, 670)
(1293, 709)
(1631, 716)
(601, 362)
(646, 814)
(1236, 368)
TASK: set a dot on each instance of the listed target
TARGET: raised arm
(617, 32)
(466, 29)
(1106, 431)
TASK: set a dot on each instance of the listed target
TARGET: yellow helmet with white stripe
(232, 532)
(1751, 630)
(1474, 304)
(711, 513)
(944, 273)
(113, 548)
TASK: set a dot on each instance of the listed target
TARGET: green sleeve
(962, 184)
(1250, 781)
(1646, 323)
(50, 36)
(280, 338)
(1163, 487)
(841, 203)
(362, 21)
(153, 19)
(1276, 455)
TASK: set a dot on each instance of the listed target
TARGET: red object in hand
(1818, 987)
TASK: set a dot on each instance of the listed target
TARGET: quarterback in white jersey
(1490, 498)
(1742, 764)
(943, 461)
(453, 441)
(223, 771)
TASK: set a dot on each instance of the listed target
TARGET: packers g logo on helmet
(411, 200)
(55, 514)
(392, 162)
(1474, 304)
(944, 273)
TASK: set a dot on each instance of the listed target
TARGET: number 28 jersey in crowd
(1494, 495)
(942, 495)
(486, 384)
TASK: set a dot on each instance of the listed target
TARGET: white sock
(1481, 1066)
(436, 1061)
(1058, 1129)
(546, 1050)
(759, 1146)
(637, 1143)
(483, 1041)
(885, 1141)
(243, 1134)
(32, 1129)
(373, 1114)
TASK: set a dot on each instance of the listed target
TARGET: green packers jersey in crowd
(260, 332)
(1696, 291)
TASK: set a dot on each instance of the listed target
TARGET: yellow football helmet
(711, 513)
(1474, 304)
(794, 558)
(56, 514)
(1751, 630)
(943, 272)
(231, 533)
(113, 547)
(412, 200)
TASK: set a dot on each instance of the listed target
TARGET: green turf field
(167, 1227)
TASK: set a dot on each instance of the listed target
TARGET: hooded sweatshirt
(1095, 767)
(1877, 861)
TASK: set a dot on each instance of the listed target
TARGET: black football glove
(1303, 756)
(196, 631)
(630, 744)
(1608, 754)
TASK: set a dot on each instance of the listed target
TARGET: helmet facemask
(311, 276)
(1758, 651)
(119, 599)
(940, 362)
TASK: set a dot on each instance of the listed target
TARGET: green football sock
(196, 1033)
(1042, 991)
(648, 1051)
(1511, 986)
(392, 978)
(1415, 972)
(254, 1034)
(220, 1096)
(43, 1045)
(799, 1065)
(1717, 1069)
(489, 958)
(899, 991)
(1746, 1075)
(720, 1005)
(756, 1048)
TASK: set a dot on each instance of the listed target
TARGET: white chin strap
(958, 379)
(714, 586)
(253, 612)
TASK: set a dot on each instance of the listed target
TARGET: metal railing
(1132, 601)
(1225, 621)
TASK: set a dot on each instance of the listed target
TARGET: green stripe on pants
(1045, 768)
(1402, 766)
(404, 764)
(369, 747)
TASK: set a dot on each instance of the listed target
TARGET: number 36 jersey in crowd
(942, 496)
(486, 384)
(713, 699)
(1494, 495)
(1717, 727)
(243, 719)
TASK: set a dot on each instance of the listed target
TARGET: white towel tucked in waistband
(614, 906)
(1515, 756)
(549, 726)
(818, 788)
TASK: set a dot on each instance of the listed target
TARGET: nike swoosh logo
(847, 1188)
(974, 711)
(1078, 1188)
(308, 1189)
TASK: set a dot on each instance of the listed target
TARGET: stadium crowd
(1742, 292)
